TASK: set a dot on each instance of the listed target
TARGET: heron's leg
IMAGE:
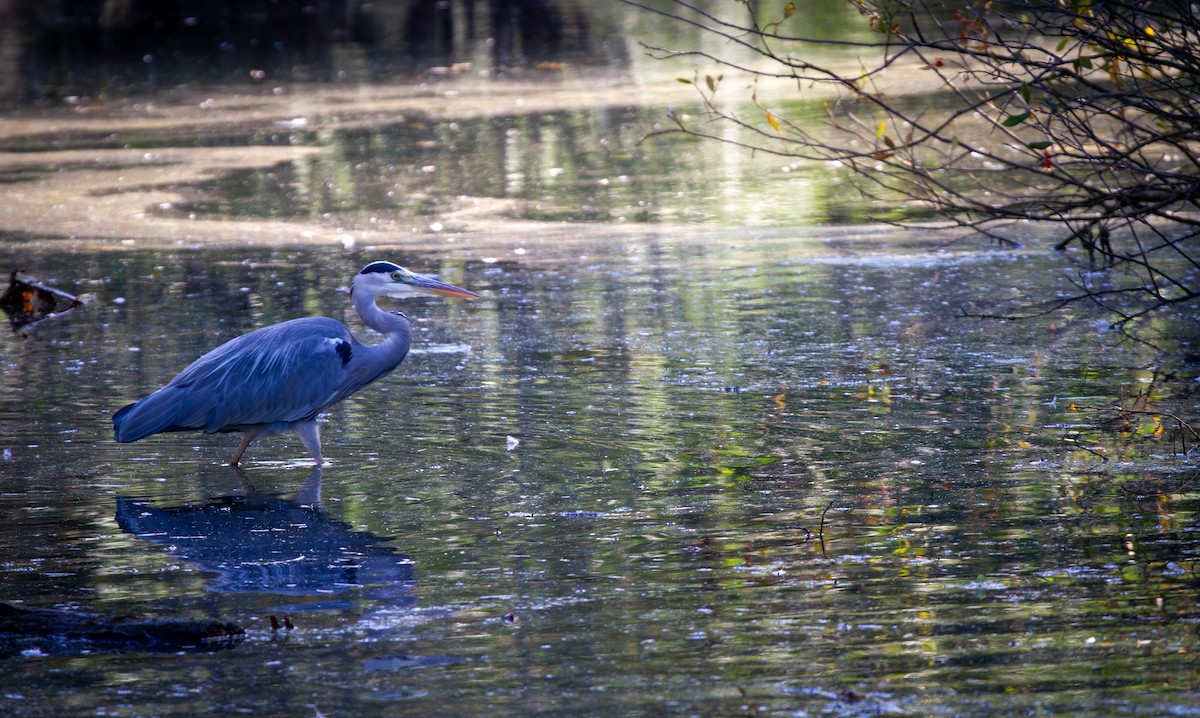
(310, 434)
(237, 455)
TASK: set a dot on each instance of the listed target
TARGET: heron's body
(282, 377)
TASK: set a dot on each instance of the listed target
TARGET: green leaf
(1039, 145)
(684, 80)
(1025, 91)
(1014, 120)
(1082, 63)
(712, 84)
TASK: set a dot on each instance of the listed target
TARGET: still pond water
(786, 487)
(661, 471)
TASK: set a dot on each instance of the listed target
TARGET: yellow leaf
(880, 130)
(774, 122)
(1149, 30)
(790, 9)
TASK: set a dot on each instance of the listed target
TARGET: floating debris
(28, 302)
(276, 624)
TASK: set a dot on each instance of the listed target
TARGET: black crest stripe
(379, 267)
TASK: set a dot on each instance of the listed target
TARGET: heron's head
(380, 278)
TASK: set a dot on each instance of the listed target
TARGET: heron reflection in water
(282, 377)
(264, 543)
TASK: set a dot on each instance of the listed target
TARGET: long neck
(395, 328)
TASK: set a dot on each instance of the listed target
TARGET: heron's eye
(396, 276)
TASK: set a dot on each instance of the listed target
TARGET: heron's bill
(433, 286)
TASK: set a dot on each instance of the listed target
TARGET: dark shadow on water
(39, 631)
(264, 543)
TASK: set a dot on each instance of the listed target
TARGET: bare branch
(1077, 117)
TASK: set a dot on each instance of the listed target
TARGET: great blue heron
(282, 376)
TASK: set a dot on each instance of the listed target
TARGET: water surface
(755, 473)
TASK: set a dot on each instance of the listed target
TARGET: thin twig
(821, 531)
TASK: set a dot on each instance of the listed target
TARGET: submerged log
(57, 630)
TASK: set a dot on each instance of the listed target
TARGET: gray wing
(281, 373)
